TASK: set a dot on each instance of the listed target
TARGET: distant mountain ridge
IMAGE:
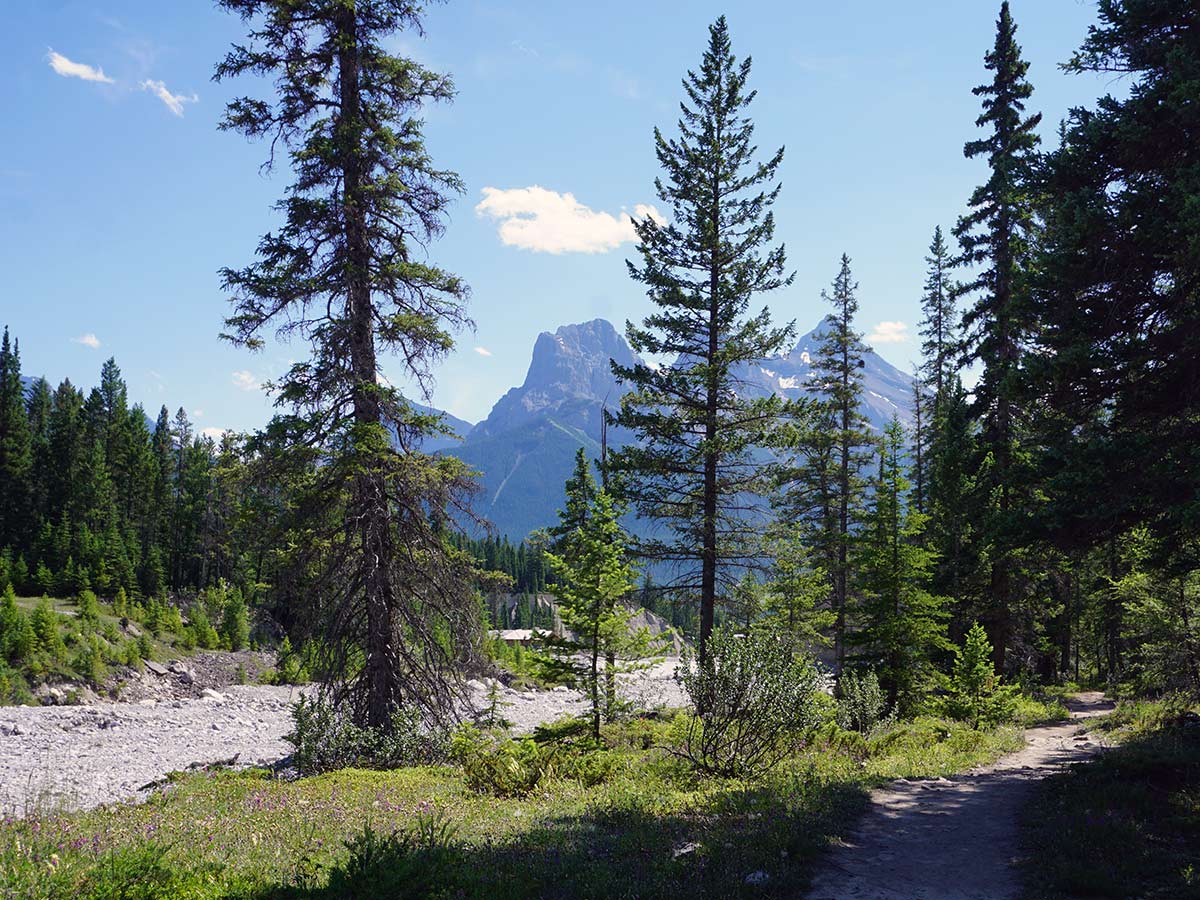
(524, 450)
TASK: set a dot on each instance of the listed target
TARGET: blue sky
(120, 200)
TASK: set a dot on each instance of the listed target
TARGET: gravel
(78, 757)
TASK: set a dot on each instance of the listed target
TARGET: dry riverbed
(81, 756)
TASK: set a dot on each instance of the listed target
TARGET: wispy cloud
(70, 69)
(245, 380)
(546, 221)
(215, 433)
(197, 413)
(88, 340)
(889, 333)
(522, 49)
(173, 102)
(483, 351)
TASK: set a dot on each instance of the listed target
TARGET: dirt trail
(952, 839)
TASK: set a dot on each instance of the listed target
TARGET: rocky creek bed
(53, 757)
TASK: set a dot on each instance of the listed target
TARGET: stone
(758, 877)
(156, 668)
(210, 694)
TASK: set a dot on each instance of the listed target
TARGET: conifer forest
(789, 621)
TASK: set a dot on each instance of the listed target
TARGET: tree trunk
(369, 510)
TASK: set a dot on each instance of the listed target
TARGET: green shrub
(506, 767)
(860, 700)
(976, 694)
(88, 608)
(291, 666)
(120, 603)
(235, 621)
(754, 697)
(324, 738)
(44, 623)
(89, 660)
(205, 635)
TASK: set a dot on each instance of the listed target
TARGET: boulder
(156, 668)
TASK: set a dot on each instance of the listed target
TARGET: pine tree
(940, 344)
(15, 449)
(1116, 374)
(838, 382)
(346, 270)
(901, 624)
(691, 466)
(593, 578)
(996, 236)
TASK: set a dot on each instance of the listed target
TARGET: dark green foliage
(976, 694)
(901, 625)
(1118, 302)
(837, 489)
(593, 578)
(692, 467)
(347, 271)
(996, 237)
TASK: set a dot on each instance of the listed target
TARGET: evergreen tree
(343, 271)
(940, 342)
(38, 406)
(837, 380)
(593, 578)
(1117, 371)
(901, 625)
(692, 467)
(996, 236)
(15, 449)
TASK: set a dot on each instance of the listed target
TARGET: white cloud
(174, 102)
(483, 351)
(197, 413)
(88, 340)
(245, 380)
(889, 333)
(545, 221)
(69, 69)
(214, 433)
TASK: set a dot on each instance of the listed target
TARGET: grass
(1126, 824)
(650, 830)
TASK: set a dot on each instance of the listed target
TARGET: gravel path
(952, 839)
(54, 757)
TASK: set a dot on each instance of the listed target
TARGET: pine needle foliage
(691, 469)
(347, 273)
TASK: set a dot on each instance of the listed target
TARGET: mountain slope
(525, 449)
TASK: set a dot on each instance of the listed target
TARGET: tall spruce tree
(940, 343)
(1117, 374)
(838, 383)
(347, 272)
(996, 236)
(692, 467)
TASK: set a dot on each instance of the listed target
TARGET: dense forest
(1051, 499)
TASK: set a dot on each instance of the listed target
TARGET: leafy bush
(504, 767)
(754, 697)
(976, 694)
(860, 701)
(325, 739)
